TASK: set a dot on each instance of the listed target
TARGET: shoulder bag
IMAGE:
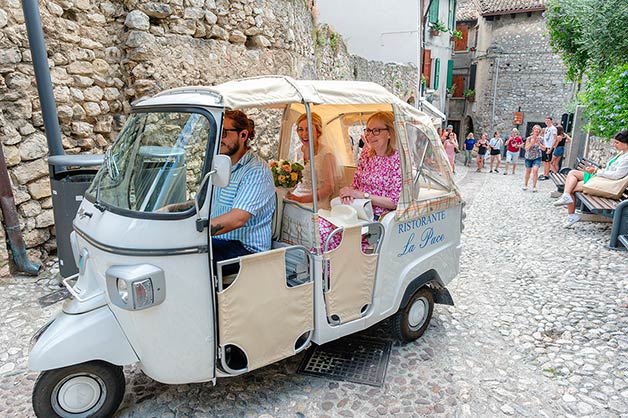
(603, 187)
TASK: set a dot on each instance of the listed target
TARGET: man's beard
(229, 151)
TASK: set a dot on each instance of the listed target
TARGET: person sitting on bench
(616, 168)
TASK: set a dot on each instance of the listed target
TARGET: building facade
(504, 71)
(387, 32)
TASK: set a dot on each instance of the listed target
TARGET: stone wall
(600, 150)
(531, 77)
(103, 55)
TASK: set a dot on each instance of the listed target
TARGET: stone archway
(467, 126)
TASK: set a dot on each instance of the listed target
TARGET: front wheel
(411, 322)
(93, 389)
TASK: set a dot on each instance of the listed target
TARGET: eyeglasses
(374, 131)
(226, 131)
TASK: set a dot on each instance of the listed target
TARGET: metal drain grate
(352, 359)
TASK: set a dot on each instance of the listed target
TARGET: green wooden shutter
(433, 18)
(436, 73)
(450, 73)
(452, 14)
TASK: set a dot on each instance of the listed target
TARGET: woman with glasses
(378, 175)
(324, 165)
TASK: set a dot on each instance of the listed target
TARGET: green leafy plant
(438, 27)
(590, 37)
(469, 94)
(456, 34)
(451, 90)
(606, 101)
(334, 41)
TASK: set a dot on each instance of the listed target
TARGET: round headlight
(123, 290)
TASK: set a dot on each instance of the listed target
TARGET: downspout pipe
(12, 223)
(42, 76)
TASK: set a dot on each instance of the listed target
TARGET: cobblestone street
(539, 329)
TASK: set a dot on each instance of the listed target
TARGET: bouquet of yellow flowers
(285, 173)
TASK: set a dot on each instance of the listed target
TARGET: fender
(74, 339)
(441, 294)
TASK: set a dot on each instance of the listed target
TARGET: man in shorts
(548, 147)
(514, 143)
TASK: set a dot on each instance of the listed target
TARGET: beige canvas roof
(282, 90)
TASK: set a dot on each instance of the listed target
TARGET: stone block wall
(103, 55)
(531, 76)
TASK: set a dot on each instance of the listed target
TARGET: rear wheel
(94, 389)
(411, 322)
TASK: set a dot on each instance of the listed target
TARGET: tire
(94, 389)
(411, 322)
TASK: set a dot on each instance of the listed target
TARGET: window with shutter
(433, 17)
(436, 73)
(427, 66)
(450, 73)
(451, 16)
(458, 81)
(461, 44)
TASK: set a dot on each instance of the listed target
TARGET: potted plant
(451, 90)
(456, 34)
(437, 27)
(469, 94)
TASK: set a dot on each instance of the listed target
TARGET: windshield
(158, 160)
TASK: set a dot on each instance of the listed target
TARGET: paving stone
(532, 333)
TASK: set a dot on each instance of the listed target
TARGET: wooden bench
(616, 209)
(560, 177)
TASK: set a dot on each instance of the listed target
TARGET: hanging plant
(437, 27)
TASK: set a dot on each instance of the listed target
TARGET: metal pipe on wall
(12, 223)
(494, 92)
(42, 75)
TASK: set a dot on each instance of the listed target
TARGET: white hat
(341, 215)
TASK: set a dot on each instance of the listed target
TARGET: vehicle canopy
(344, 107)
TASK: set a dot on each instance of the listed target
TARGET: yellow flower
(281, 178)
(294, 176)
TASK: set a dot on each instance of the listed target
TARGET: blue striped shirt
(252, 189)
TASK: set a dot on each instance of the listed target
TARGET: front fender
(74, 339)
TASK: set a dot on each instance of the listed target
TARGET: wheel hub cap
(417, 314)
(79, 394)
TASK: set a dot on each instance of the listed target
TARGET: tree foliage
(590, 36)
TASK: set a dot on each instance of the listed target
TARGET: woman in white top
(616, 168)
(324, 165)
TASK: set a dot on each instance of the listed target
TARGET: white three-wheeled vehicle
(146, 292)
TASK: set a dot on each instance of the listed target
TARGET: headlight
(136, 287)
(123, 291)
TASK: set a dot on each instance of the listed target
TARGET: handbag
(603, 187)
(474, 151)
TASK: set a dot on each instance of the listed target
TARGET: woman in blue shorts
(533, 157)
(561, 140)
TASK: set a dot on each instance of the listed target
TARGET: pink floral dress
(377, 175)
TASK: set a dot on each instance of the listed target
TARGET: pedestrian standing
(496, 151)
(561, 140)
(469, 143)
(514, 143)
(482, 148)
(451, 144)
(549, 137)
(533, 157)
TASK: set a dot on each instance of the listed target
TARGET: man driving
(241, 214)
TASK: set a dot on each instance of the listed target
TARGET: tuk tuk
(147, 293)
